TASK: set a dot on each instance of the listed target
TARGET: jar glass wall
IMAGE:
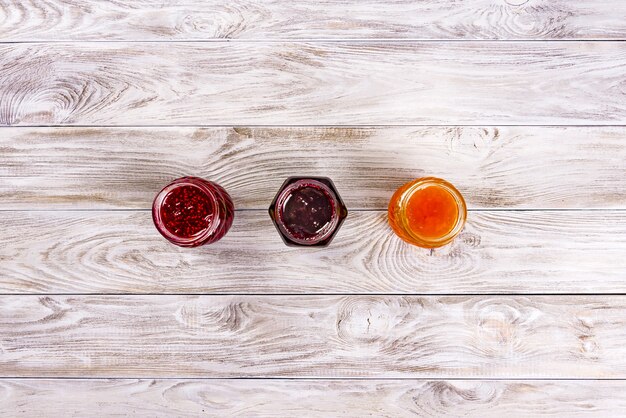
(307, 211)
(428, 212)
(192, 211)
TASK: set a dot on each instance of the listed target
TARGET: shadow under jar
(307, 211)
(192, 211)
(428, 212)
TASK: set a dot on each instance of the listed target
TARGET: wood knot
(362, 320)
(245, 132)
(502, 325)
(471, 141)
(470, 239)
(516, 3)
(229, 318)
(445, 394)
(374, 320)
(589, 346)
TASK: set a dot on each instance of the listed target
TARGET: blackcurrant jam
(308, 211)
(192, 211)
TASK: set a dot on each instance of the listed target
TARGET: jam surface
(186, 211)
(431, 212)
(307, 212)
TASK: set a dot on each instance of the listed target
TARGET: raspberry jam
(192, 211)
(308, 211)
(427, 212)
(186, 211)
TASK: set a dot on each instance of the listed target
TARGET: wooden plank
(499, 252)
(311, 398)
(504, 167)
(304, 19)
(287, 83)
(313, 336)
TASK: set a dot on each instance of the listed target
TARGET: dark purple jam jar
(191, 211)
(308, 211)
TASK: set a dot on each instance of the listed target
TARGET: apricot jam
(192, 211)
(427, 212)
(307, 211)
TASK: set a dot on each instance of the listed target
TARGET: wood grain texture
(305, 63)
(499, 252)
(311, 398)
(313, 336)
(44, 20)
(124, 168)
(287, 83)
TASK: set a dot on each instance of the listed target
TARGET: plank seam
(433, 295)
(386, 379)
(349, 126)
(349, 209)
(308, 40)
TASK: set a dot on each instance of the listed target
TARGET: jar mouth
(327, 230)
(212, 199)
(430, 242)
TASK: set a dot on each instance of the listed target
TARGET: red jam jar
(307, 211)
(191, 211)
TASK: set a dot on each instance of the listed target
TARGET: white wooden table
(519, 103)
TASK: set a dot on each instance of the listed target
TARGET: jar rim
(420, 184)
(328, 229)
(201, 184)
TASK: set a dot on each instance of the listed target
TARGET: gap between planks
(495, 209)
(321, 125)
(333, 379)
(308, 40)
(340, 294)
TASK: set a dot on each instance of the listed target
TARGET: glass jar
(191, 211)
(307, 211)
(428, 212)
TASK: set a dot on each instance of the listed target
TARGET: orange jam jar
(428, 212)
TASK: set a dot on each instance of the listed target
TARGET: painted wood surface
(311, 398)
(313, 336)
(498, 252)
(51, 20)
(137, 93)
(298, 83)
(494, 167)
